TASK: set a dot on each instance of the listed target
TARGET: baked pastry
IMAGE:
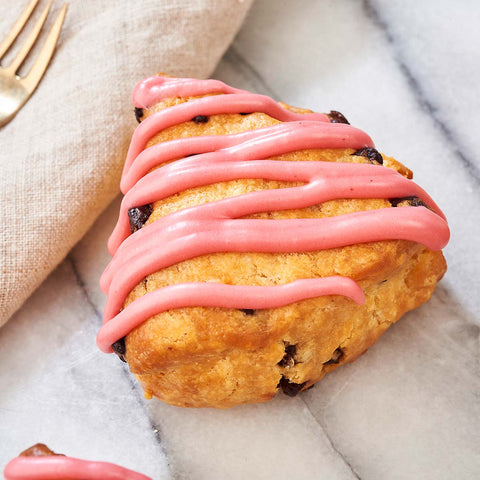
(258, 245)
(41, 463)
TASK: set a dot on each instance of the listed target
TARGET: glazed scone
(41, 463)
(270, 244)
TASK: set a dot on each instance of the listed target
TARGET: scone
(258, 245)
(40, 463)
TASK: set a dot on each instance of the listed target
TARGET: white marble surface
(407, 73)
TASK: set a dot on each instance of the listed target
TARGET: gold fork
(16, 90)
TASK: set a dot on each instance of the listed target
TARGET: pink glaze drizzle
(260, 143)
(152, 90)
(220, 295)
(217, 227)
(214, 105)
(60, 467)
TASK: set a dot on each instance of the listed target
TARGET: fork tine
(20, 57)
(17, 28)
(30, 81)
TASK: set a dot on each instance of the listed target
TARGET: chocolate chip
(369, 153)
(245, 113)
(336, 356)
(138, 114)
(288, 359)
(200, 119)
(119, 349)
(247, 311)
(137, 216)
(412, 201)
(337, 117)
(290, 388)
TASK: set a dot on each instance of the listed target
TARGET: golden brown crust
(38, 450)
(221, 357)
(201, 357)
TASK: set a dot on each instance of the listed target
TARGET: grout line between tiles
(156, 430)
(81, 284)
(330, 441)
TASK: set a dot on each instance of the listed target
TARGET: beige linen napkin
(61, 157)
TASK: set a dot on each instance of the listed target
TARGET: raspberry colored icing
(219, 227)
(61, 467)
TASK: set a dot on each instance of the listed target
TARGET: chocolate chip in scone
(337, 117)
(247, 311)
(290, 388)
(370, 153)
(200, 119)
(137, 216)
(119, 349)
(138, 114)
(336, 357)
(412, 201)
(288, 359)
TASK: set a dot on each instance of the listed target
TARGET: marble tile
(58, 388)
(406, 409)
(280, 439)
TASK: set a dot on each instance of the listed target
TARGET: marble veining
(406, 409)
